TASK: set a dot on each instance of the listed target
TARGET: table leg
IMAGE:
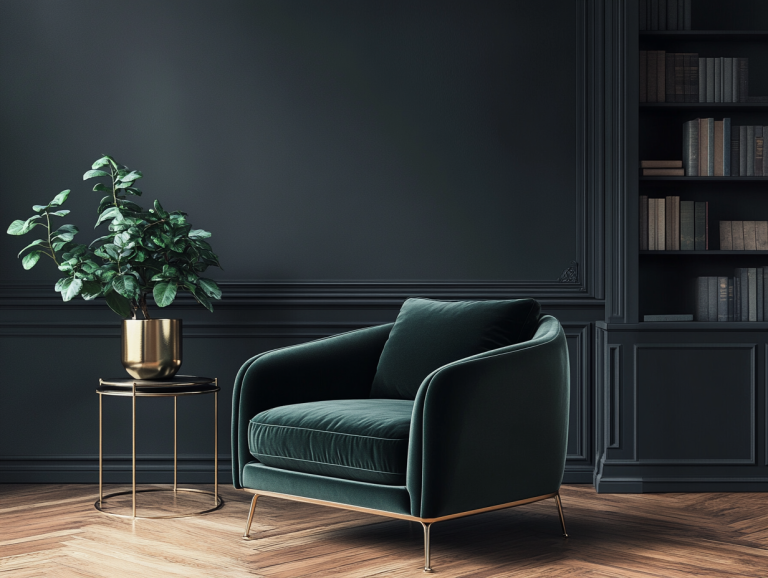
(101, 454)
(134, 450)
(174, 443)
(216, 445)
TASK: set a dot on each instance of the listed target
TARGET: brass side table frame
(175, 387)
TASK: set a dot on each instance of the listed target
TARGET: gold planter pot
(152, 347)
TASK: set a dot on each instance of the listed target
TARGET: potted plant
(145, 251)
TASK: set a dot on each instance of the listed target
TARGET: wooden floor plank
(55, 531)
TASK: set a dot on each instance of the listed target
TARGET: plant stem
(143, 305)
(50, 246)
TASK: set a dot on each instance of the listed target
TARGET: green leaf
(110, 213)
(164, 293)
(132, 176)
(105, 160)
(210, 287)
(160, 211)
(34, 243)
(38, 208)
(119, 304)
(199, 234)
(203, 299)
(23, 227)
(102, 187)
(133, 191)
(31, 259)
(59, 213)
(94, 173)
(65, 233)
(60, 198)
(112, 251)
(91, 290)
(70, 288)
(127, 286)
(57, 246)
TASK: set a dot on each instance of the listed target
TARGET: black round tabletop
(177, 385)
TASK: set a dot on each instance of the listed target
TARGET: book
(687, 229)
(673, 317)
(652, 89)
(743, 79)
(759, 151)
(728, 80)
(718, 172)
(700, 226)
(686, 14)
(672, 14)
(750, 241)
(712, 298)
(691, 148)
(764, 273)
(702, 299)
(735, 160)
(643, 76)
(674, 86)
(759, 293)
(661, 60)
(710, 146)
(737, 295)
(652, 224)
(710, 80)
(743, 152)
(663, 172)
(672, 225)
(751, 151)
(722, 298)
(718, 79)
(661, 219)
(661, 164)
(726, 236)
(765, 155)
(735, 83)
(727, 147)
(703, 148)
(761, 235)
(692, 94)
(730, 298)
(737, 235)
(702, 80)
(752, 279)
(643, 222)
(744, 298)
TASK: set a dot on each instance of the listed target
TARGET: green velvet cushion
(429, 334)
(354, 439)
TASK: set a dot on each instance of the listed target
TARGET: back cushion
(429, 334)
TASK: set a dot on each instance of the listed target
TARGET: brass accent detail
(247, 533)
(571, 274)
(151, 347)
(560, 511)
(427, 567)
(220, 503)
(133, 467)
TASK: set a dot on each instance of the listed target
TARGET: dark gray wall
(345, 155)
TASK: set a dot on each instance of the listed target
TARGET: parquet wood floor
(53, 530)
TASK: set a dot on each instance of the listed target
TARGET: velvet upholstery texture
(485, 430)
(429, 334)
(354, 439)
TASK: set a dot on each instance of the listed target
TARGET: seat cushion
(429, 334)
(353, 439)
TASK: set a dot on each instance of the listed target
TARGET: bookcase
(680, 406)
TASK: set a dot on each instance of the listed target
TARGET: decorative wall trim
(613, 400)
(582, 383)
(571, 274)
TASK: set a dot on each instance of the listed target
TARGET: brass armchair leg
(427, 567)
(560, 511)
(247, 534)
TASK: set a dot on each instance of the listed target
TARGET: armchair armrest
(492, 428)
(337, 367)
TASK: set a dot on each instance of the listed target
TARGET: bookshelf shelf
(708, 253)
(704, 34)
(706, 105)
(711, 179)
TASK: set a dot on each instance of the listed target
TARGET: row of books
(685, 77)
(668, 224)
(739, 298)
(744, 235)
(712, 148)
(665, 14)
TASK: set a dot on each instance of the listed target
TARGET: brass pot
(152, 347)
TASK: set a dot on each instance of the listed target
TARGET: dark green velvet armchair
(458, 408)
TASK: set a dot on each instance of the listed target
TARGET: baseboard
(651, 485)
(578, 475)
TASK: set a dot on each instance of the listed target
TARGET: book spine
(764, 273)
(722, 298)
(737, 295)
(703, 143)
(706, 225)
(661, 67)
(672, 14)
(743, 79)
(643, 16)
(751, 151)
(712, 298)
(693, 86)
(643, 76)
(752, 279)
(727, 147)
(718, 148)
(711, 147)
(663, 172)
(759, 293)
(730, 298)
(735, 83)
(661, 164)
(735, 160)
(702, 299)
(743, 152)
(702, 79)
(675, 223)
(710, 80)
(759, 151)
(661, 219)
(761, 235)
(687, 15)
(687, 228)
(718, 80)
(728, 80)
(691, 148)
(643, 222)
(700, 225)
(652, 237)
(678, 74)
(726, 237)
(744, 294)
(765, 154)
(750, 241)
(652, 76)
(668, 230)
(737, 235)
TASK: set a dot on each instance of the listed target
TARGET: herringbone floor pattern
(53, 530)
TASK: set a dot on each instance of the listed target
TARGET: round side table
(175, 387)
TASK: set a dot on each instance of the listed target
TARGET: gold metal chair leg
(560, 511)
(247, 533)
(427, 555)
